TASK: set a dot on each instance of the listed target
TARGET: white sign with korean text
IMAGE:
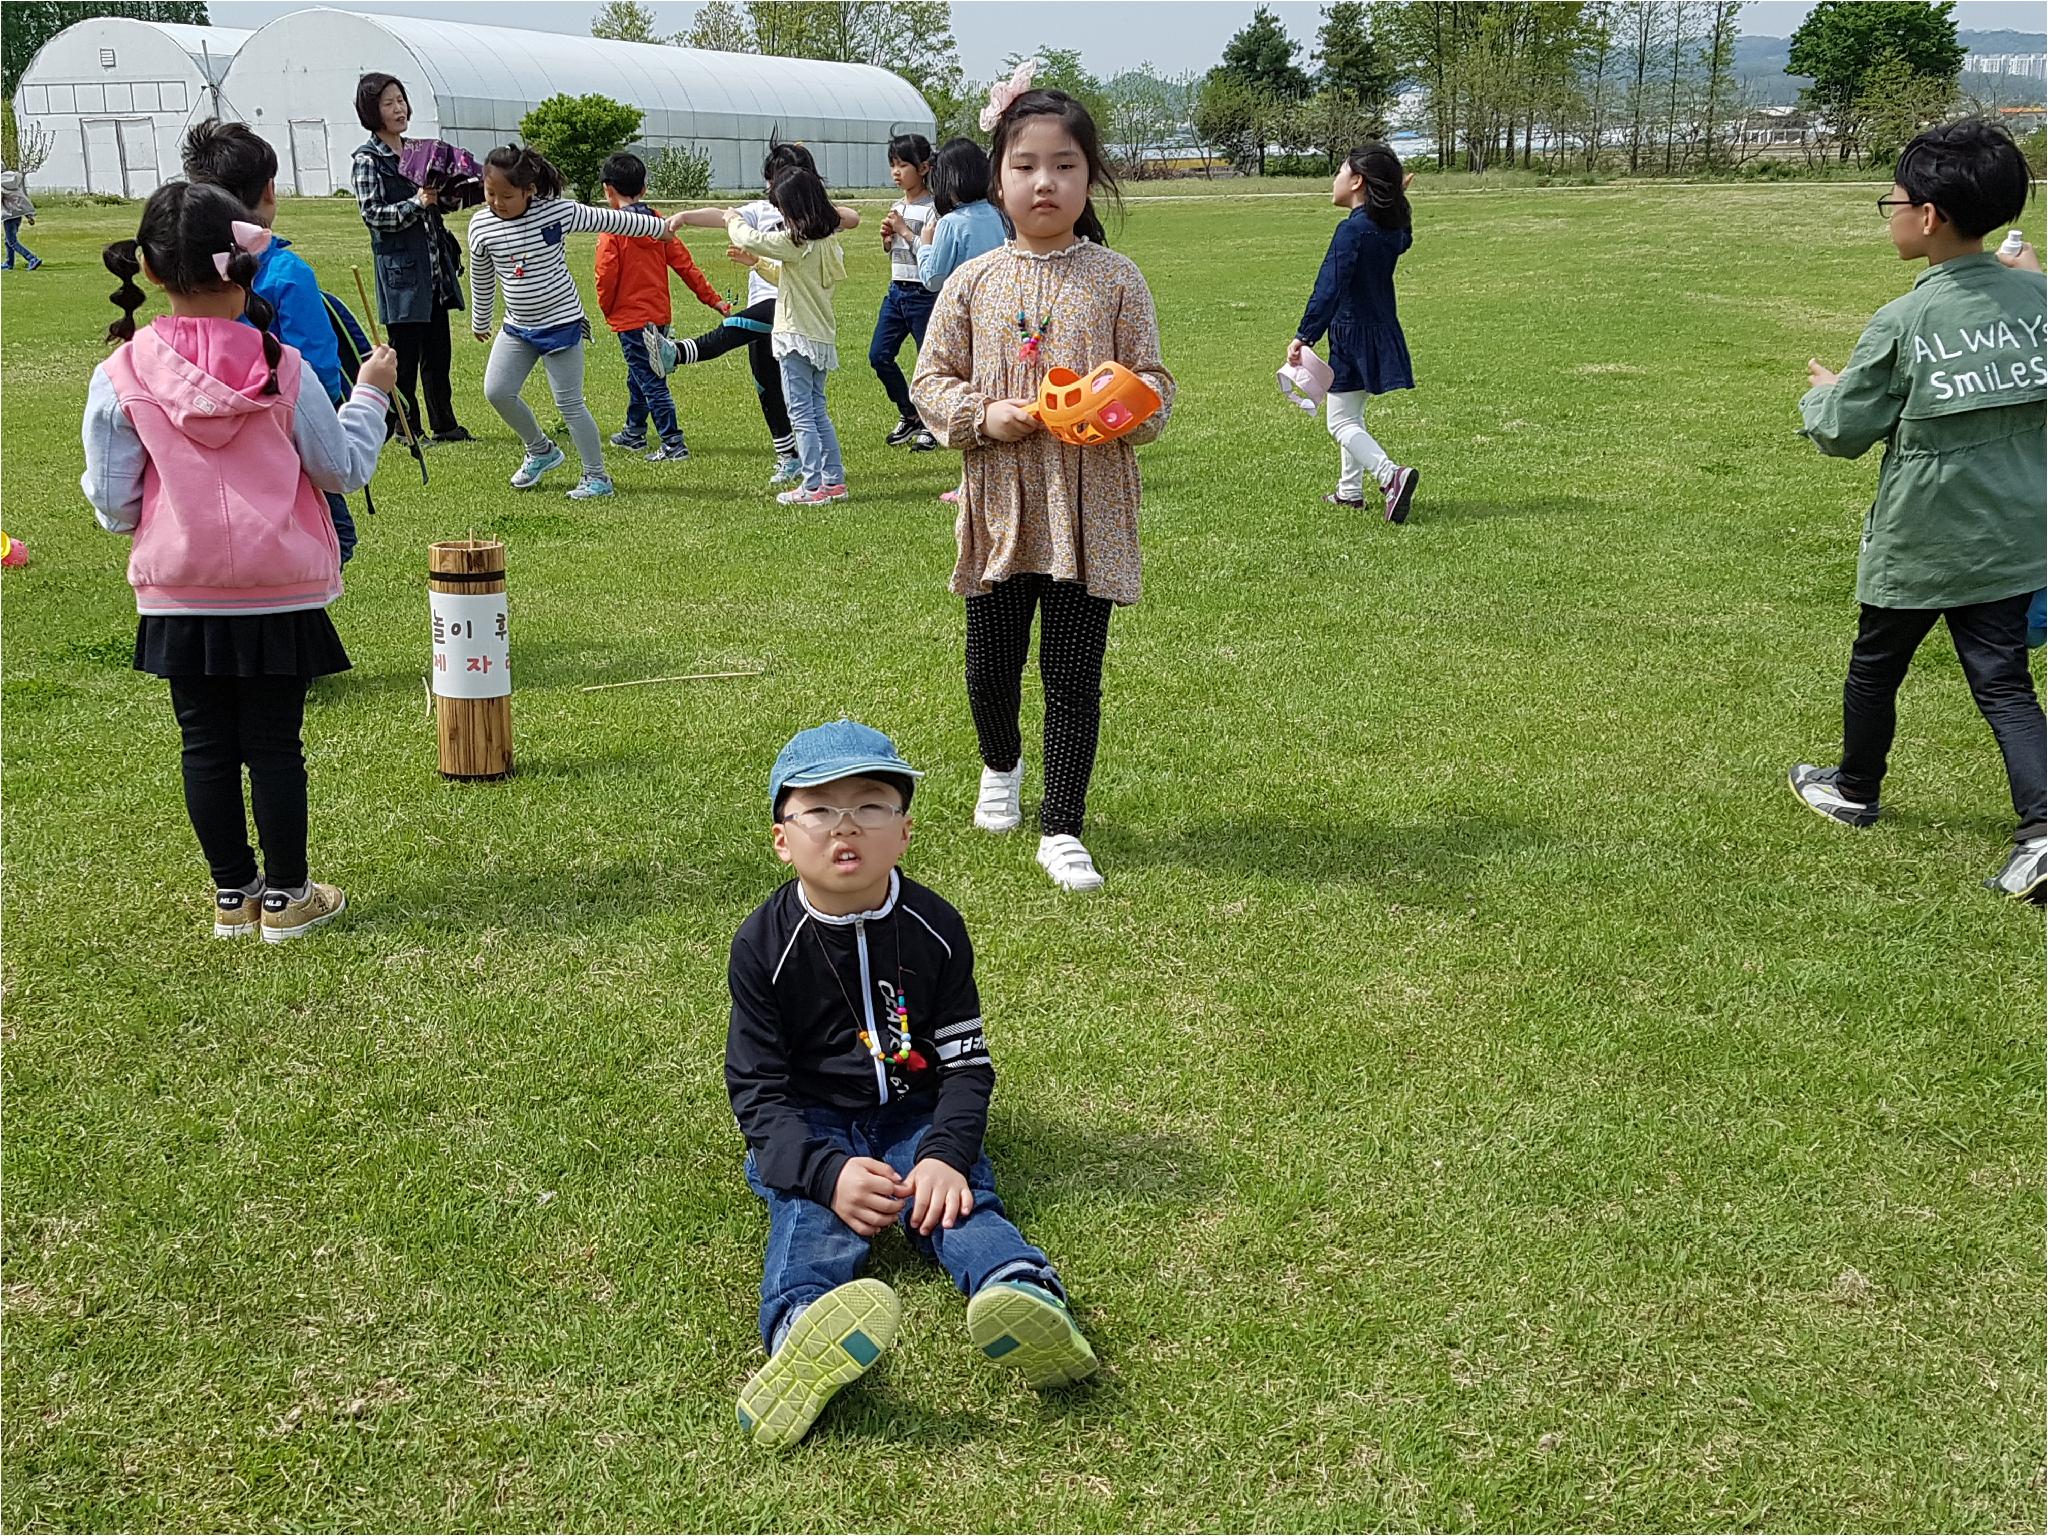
(472, 654)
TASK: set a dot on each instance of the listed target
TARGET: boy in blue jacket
(235, 156)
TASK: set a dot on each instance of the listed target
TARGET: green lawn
(1481, 1097)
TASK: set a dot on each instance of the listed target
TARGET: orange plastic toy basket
(1097, 409)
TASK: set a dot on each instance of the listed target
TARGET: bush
(577, 132)
(681, 172)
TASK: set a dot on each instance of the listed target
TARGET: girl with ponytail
(517, 241)
(211, 443)
(1353, 304)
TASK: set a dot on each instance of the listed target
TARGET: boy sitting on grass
(861, 1081)
(1953, 380)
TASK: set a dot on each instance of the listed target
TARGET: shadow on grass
(1420, 863)
(1482, 509)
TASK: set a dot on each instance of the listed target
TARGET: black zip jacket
(804, 987)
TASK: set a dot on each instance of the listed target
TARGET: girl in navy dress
(1354, 302)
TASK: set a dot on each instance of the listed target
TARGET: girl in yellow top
(804, 261)
(1042, 525)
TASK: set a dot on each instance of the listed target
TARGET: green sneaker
(831, 1345)
(1025, 1326)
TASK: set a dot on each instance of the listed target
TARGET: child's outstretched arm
(618, 221)
(1137, 348)
(1844, 414)
(684, 265)
(339, 449)
(114, 458)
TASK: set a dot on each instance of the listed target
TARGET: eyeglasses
(1885, 205)
(822, 820)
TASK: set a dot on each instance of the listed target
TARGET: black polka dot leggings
(1073, 635)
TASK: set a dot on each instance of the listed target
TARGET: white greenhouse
(294, 80)
(116, 96)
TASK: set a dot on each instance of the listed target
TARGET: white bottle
(2014, 239)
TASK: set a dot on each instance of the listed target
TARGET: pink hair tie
(1001, 94)
(253, 238)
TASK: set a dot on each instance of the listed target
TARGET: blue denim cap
(838, 749)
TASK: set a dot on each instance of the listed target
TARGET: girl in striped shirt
(518, 240)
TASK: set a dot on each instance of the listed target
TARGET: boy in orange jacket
(632, 290)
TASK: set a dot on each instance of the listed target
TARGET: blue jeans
(344, 524)
(906, 310)
(14, 243)
(811, 1251)
(647, 395)
(817, 443)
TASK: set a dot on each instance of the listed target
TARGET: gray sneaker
(536, 465)
(662, 350)
(2025, 875)
(1819, 791)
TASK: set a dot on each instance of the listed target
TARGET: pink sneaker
(803, 498)
(836, 492)
(950, 498)
(1400, 491)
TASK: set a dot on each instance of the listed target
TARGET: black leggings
(423, 347)
(1073, 636)
(760, 346)
(228, 722)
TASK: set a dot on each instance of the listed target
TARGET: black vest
(405, 267)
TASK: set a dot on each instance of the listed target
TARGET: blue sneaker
(536, 465)
(787, 472)
(1029, 1329)
(625, 439)
(670, 453)
(590, 487)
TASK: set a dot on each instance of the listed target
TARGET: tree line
(1645, 87)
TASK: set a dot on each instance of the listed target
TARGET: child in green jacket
(1953, 380)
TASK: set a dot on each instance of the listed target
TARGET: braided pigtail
(242, 273)
(124, 259)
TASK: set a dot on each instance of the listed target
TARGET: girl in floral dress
(1044, 527)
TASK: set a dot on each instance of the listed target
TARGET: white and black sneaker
(2025, 875)
(1818, 790)
(923, 441)
(904, 431)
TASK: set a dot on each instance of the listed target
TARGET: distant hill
(1760, 61)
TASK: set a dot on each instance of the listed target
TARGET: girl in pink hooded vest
(211, 443)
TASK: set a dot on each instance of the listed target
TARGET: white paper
(472, 649)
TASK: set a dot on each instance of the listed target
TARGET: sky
(1113, 35)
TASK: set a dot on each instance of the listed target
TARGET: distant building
(2028, 66)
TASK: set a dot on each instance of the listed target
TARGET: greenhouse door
(309, 158)
(120, 156)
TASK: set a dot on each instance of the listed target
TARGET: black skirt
(301, 644)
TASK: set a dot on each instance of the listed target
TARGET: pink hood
(208, 375)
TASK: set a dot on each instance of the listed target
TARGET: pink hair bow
(253, 238)
(1003, 92)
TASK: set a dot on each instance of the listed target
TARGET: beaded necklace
(1031, 335)
(897, 1011)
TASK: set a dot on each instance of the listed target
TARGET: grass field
(1481, 1097)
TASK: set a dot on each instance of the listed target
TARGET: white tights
(1361, 452)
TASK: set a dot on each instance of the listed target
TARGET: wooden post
(472, 676)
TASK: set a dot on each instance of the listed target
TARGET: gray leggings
(505, 375)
